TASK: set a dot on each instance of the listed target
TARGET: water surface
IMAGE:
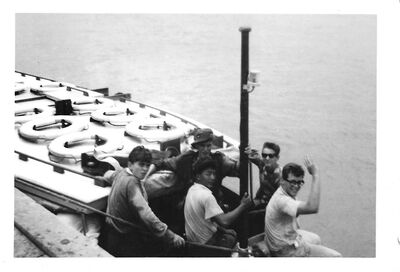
(317, 93)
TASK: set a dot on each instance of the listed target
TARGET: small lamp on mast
(253, 80)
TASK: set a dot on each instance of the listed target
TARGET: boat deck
(57, 179)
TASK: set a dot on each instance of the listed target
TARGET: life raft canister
(63, 146)
(48, 128)
(25, 114)
(91, 104)
(119, 116)
(156, 129)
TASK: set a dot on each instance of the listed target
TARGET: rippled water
(317, 93)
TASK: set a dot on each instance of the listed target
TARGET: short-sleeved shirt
(281, 221)
(200, 207)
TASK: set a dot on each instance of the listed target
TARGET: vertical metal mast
(244, 131)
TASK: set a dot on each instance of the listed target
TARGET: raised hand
(246, 200)
(178, 241)
(311, 168)
(251, 153)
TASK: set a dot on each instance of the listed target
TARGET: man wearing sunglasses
(282, 234)
(269, 171)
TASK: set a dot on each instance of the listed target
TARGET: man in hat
(182, 166)
(282, 234)
(205, 221)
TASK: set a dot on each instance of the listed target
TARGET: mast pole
(244, 131)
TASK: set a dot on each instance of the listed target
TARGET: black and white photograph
(152, 136)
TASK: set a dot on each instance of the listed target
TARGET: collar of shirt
(284, 192)
(139, 182)
(129, 171)
(202, 186)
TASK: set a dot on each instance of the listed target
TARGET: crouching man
(282, 234)
(205, 221)
(148, 236)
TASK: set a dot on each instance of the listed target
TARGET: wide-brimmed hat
(202, 135)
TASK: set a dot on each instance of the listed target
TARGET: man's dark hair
(293, 168)
(203, 164)
(272, 146)
(140, 154)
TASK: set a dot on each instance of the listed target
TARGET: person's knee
(310, 237)
(316, 239)
(322, 251)
(336, 254)
(332, 253)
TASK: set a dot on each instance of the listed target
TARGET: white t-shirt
(200, 207)
(280, 221)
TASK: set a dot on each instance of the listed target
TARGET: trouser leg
(132, 244)
(322, 251)
(309, 237)
(307, 247)
(313, 242)
(223, 239)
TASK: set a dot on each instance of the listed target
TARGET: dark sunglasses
(295, 182)
(268, 155)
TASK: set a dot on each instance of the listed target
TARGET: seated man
(269, 171)
(128, 201)
(282, 235)
(182, 166)
(205, 221)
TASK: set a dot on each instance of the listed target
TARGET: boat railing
(104, 91)
(69, 87)
(56, 167)
(31, 75)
